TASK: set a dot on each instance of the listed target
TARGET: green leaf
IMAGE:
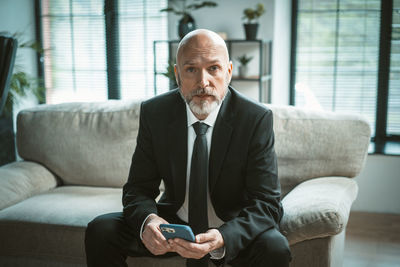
(168, 9)
(181, 13)
(201, 5)
(170, 73)
(244, 60)
(252, 14)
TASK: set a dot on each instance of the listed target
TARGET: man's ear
(230, 67)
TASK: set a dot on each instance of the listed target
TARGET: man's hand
(205, 243)
(153, 239)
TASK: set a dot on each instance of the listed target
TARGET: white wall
(281, 52)
(379, 185)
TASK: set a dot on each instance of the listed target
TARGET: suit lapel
(177, 150)
(220, 140)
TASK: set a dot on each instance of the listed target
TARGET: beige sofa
(76, 158)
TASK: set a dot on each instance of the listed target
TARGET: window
(394, 74)
(79, 37)
(338, 60)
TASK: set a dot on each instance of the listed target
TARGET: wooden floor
(372, 240)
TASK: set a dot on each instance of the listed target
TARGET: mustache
(203, 91)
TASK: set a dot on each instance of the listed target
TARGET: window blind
(337, 55)
(141, 22)
(393, 127)
(74, 40)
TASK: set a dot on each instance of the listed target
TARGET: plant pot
(186, 24)
(250, 30)
(243, 71)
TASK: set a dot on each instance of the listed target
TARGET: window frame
(112, 38)
(381, 142)
(112, 48)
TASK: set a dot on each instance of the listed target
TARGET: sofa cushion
(52, 225)
(21, 180)
(317, 208)
(82, 143)
(65, 206)
(313, 143)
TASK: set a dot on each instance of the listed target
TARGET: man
(214, 151)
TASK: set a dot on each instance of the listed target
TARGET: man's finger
(154, 241)
(197, 249)
(205, 237)
(184, 243)
(157, 235)
(187, 252)
(161, 239)
(156, 248)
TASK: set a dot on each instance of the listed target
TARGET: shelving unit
(259, 66)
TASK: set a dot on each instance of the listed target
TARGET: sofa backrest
(82, 143)
(314, 143)
(93, 143)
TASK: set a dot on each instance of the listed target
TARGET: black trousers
(109, 240)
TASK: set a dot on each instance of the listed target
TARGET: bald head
(202, 40)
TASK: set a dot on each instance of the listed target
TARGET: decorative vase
(186, 24)
(250, 30)
(243, 71)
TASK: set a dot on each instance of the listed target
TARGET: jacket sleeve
(262, 209)
(142, 187)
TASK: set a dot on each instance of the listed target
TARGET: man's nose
(203, 79)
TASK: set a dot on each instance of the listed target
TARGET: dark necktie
(198, 186)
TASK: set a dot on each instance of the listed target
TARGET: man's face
(203, 74)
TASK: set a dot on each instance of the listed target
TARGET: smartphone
(177, 230)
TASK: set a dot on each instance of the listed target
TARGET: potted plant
(244, 60)
(251, 20)
(21, 85)
(181, 8)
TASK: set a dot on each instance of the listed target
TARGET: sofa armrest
(317, 208)
(21, 180)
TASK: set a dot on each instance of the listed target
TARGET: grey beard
(205, 108)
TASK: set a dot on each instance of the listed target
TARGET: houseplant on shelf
(181, 8)
(251, 21)
(244, 60)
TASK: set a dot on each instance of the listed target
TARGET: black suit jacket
(243, 184)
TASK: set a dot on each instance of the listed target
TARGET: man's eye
(190, 69)
(214, 68)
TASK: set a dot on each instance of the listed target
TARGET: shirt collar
(210, 120)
